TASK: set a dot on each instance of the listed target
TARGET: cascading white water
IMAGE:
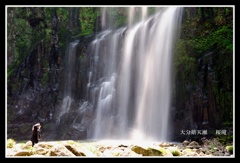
(141, 83)
(103, 124)
(154, 88)
(69, 70)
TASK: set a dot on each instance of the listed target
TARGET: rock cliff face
(39, 100)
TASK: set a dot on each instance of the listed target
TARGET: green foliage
(63, 26)
(23, 39)
(224, 36)
(225, 139)
(229, 149)
(207, 31)
(221, 37)
(120, 20)
(117, 16)
(228, 124)
(62, 13)
(185, 64)
(88, 17)
(10, 143)
(10, 70)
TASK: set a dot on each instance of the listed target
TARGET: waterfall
(154, 86)
(68, 77)
(135, 80)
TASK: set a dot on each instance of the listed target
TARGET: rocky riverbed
(70, 148)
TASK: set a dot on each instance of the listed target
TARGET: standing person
(36, 133)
